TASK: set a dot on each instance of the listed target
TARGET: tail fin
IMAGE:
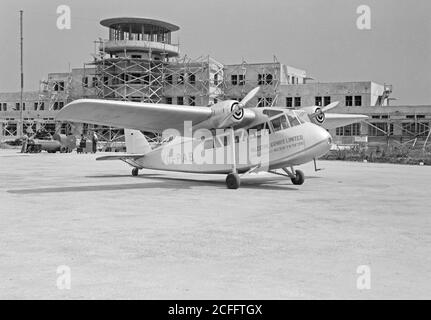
(136, 143)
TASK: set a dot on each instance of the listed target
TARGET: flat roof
(111, 22)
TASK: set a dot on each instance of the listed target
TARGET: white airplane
(225, 138)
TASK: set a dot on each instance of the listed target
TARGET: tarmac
(352, 231)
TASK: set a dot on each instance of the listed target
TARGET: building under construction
(139, 62)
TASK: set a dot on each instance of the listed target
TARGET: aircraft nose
(324, 138)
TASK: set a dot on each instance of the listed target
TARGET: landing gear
(296, 176)
(233, 181)
(299, 178)
(135, 172)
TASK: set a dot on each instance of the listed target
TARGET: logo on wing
(238, 115)
(320, 116)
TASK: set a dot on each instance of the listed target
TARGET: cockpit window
(280, 123)
(293, 120)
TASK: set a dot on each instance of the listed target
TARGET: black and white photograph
(185, 150)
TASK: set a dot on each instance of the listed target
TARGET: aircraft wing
(335, 120)
(133, 115)
(121, 157)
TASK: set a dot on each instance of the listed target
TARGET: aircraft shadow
(164, 182)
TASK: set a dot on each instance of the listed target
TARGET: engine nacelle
(223, 109)
(315, 114)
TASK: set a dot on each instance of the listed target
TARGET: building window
(192, 79)
(415, 129)
(85, 82)
(216, 79)
(95, 82)
(349, 101)
(135, 78)
(380, 129)
(169, 79)
(264, 79)
(136, 56)
(60, 105)
(59, 86)
(42, 106)
(11, 129)
(297, 101)
(168, 100)
(4, 106)
(181, 79)
(349, 130)
(358, 101)
(264, 102)
(180, 101)
(241, 79)
(234, 79)
(192, 101)
(319, 101)
(289, 102)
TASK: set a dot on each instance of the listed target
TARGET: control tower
(129, 65)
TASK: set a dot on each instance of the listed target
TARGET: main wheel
(135, 172)
(233, 181)
(299, 178)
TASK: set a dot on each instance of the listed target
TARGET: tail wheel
(299, 178)
(233, 181)
(135, 172)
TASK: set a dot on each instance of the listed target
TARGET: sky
(319, 36)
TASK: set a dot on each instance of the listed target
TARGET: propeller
(319, 114)
(237, 108)
(331, 106)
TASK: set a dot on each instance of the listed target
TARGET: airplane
(227, 137)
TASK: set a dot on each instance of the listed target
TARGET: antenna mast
(22, 75)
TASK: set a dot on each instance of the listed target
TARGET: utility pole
(22, 76)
